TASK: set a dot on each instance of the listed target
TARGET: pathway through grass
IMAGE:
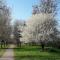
(9, 54)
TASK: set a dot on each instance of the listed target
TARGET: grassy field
(36, 53)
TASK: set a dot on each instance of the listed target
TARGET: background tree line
(40, 28)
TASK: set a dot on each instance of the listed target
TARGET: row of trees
(42, 26)
(5, 19)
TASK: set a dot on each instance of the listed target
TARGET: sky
(22, 9)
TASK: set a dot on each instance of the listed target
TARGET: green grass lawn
(35, 53)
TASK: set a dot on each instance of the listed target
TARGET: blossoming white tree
(39, 27)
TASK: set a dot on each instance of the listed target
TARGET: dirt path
(9, 54)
